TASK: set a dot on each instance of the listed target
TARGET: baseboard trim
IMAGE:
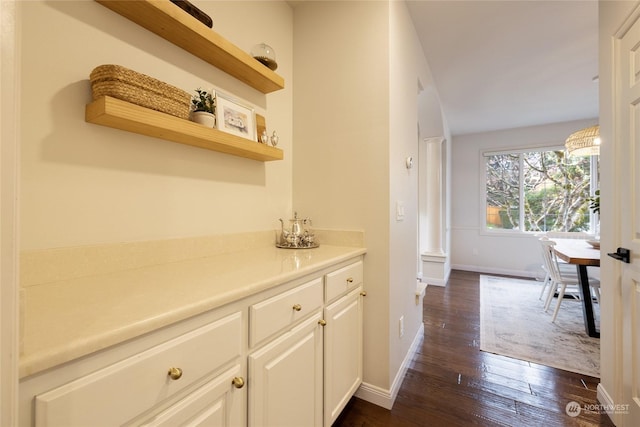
(502, 271)
(374, 394)
(383, 397)
(606, 401)
(431, 281)
(434, 282)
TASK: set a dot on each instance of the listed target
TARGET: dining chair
(560, 281)
(567, 269)
(564, 267)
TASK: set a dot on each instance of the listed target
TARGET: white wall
(87, 184)
(341, 132)
(473, 249)
(403, 184)
(409, 79)
(357, 66)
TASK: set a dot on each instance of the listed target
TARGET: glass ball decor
(265, 54)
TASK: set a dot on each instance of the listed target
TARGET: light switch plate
(399, 211)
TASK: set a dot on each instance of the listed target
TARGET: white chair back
(550, 260)
(559, 282)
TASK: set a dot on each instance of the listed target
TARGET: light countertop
(65, 320)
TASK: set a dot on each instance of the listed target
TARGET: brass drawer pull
(297, 307)
(350, 280)
(322, 322)
(175, 373)
(363, 293)
(238, 382)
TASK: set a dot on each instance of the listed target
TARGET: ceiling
(509, 64)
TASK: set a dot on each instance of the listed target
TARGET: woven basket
(125, 84)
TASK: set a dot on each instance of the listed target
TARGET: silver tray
(288, 246)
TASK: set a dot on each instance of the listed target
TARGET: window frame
(484, 230)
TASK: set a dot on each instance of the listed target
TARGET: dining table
(582, 253)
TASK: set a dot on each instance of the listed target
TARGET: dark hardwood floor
(450, 382)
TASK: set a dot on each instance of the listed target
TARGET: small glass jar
(265, 54)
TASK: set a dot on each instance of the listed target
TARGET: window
(539, 191)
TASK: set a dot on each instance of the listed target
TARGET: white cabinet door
(343, 353)
(285, 379)
(219, 403)
(626, 289)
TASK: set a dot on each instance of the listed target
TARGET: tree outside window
(538, 191)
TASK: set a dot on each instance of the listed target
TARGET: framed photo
(235, 118)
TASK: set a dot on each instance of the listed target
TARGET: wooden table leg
(587, 309)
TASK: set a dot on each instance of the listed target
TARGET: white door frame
(627, 93)
(9, 182)
(616, 19)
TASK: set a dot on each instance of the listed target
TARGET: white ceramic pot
(204, 118)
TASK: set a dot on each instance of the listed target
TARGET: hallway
(450, 382)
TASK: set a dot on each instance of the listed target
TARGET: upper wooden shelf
(175, 25)
(115, 113)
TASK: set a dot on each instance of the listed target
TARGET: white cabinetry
(286, 379)
(121, 392)
(342, 339)
(290, 355)
(214, 404)
(343, 353)
(307, 375)
(284, 310)
(286, 374)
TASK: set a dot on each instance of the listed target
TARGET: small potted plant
(594, 202)
(203, 106)
(594, 205)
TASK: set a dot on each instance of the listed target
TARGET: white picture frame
(234, 118)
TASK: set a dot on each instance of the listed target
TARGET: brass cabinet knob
(175, 373)
(322, 322)
(238, 382)
(297, 307)
(363, 293)
(350, 280)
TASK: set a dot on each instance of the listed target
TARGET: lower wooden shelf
(118, 114)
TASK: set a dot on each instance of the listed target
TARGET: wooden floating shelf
(175, 25)
(118, 114)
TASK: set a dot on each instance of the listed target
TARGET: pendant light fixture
(585, 142)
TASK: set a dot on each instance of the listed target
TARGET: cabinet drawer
(114, 395)
(285, 309)
(343, 280)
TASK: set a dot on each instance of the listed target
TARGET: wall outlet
(401, 326)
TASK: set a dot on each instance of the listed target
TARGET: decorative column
(432, 212)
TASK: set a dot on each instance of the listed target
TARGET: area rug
(513, 323)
